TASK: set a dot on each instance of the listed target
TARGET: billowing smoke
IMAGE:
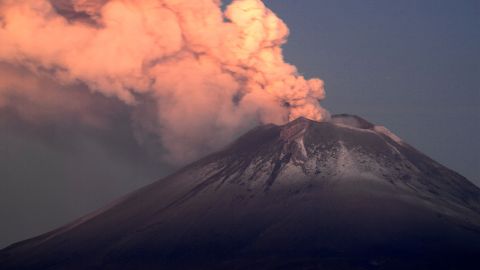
(197, 74)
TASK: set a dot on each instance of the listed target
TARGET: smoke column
(204, 73)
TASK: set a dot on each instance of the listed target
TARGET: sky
(412, 66)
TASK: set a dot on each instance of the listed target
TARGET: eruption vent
(207, 73)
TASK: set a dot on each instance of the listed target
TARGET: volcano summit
(344, 194)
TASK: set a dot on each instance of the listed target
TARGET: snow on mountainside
(344, 194)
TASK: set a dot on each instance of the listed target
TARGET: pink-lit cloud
(209, 73)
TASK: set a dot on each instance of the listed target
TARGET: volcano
(342, 194)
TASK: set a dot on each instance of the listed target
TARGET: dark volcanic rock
(344, 194)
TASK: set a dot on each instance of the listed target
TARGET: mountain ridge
(304, 193)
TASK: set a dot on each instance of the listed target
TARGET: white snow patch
(301, 145)
(346, 164)
(290, 174)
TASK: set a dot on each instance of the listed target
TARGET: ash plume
(204, 73)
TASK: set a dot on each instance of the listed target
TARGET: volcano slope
(344, 194)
